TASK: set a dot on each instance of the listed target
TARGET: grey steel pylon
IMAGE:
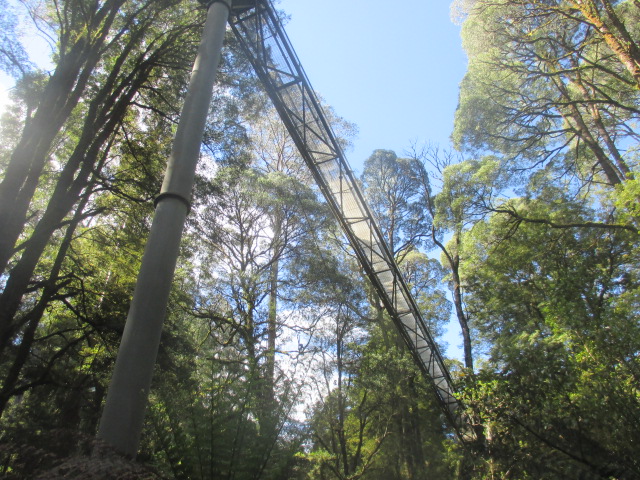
(123, 414)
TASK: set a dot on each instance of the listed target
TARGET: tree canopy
(277, 359)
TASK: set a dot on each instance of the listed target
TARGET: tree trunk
(620, 42)
(60, 96)
(33, 318)
(106, 111)
(574, 118)
(454, 265)
(272, 327)
(623, 169)
(65, 195)
(342, 437)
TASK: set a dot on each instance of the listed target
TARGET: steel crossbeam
(269, 50)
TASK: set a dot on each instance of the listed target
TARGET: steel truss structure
(257, 27)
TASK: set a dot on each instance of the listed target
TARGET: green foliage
(425, 277)
(558, 398)
(383, 424)
(538, 234)
(545, 86)
(626, 201)
(467, 188)
(393, 195)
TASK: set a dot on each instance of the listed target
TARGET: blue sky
(392, 68)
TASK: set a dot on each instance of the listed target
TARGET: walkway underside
(267, 47)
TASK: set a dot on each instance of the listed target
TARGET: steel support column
(123, 415)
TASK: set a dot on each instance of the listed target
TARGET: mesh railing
(267, 47)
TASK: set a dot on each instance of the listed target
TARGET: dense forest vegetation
(277, 361)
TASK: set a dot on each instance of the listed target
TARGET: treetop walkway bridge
(259, 31)
(266, 45)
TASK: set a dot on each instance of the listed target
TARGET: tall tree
(243, 246)
(137, 54)
(393, 189)
(544, 88)
(557, 398)
(392, 193)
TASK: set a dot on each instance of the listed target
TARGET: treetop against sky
(394, 72)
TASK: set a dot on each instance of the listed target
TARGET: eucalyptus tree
(557, 308)
(81, 40)
(547, 87)
(551, 97)
(360, 384)
(615, 22)
(275, 153)
(393, 189)
(392, 194)
(337, 447)
(396, 190)
(379, 419)
(455, 194)
(89, 195)
(426, 277)
(129, 49)
(242, 246)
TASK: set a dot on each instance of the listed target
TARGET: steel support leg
(123, 415)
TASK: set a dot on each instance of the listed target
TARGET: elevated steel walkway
(266, 45)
